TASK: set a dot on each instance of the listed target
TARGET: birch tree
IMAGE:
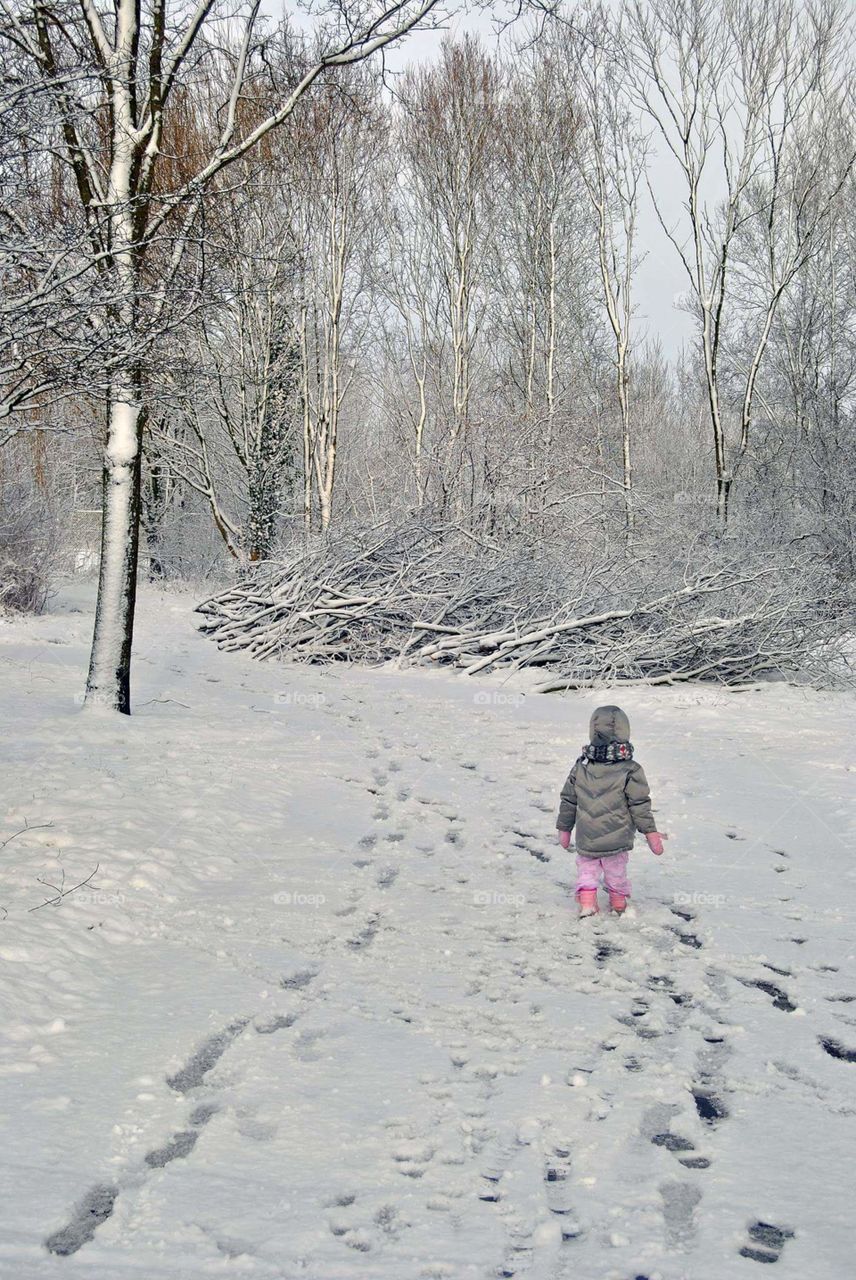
(411, 309)
(612, 155)
(336, 214)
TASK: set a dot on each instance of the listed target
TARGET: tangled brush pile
(421, 593)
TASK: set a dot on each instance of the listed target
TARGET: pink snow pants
(613, 868)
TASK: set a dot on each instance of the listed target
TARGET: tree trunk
(109, 681)
(626, 451)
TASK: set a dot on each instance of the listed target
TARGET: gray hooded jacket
(608, 802)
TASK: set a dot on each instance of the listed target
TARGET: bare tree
(612, 159)
(336, 214)
(731, 87)
(111, 75)
(543, 267)
(47, 348)
(448, 142)
(228, 413)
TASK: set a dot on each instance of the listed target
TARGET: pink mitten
(565, 839)
(655, 842)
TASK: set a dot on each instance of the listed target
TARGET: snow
(325, 1010)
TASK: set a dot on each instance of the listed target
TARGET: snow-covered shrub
(29, 547)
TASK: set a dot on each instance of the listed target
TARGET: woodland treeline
(411, 301)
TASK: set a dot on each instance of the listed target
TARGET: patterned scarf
(611, 753)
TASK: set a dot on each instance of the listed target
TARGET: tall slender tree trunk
(109, 681)
(626, 444)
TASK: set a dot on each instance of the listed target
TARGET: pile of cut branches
(421, 594)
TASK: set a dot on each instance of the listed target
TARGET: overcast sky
(660, 277)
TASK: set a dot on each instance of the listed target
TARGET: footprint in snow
(529, 843)
(176, 1148)
(413, 1157)
(672, 1142)
(232, 1248)
(258, 1130)
(680, 1200)
(681, 1147)
(781, 999)
(520, 1252)
(363, 939)
(768, 1241)
(710, 1107)
(340, 1200)
(277, 1023)
(209, 1053)
(657, 1119)
(497, 1160)
(95, 1207)
(299, 979)
(683, 914)
(836, 1049)
(687, 938)
(559, 1195)
(605, 951)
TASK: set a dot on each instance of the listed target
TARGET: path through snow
(325, 1010)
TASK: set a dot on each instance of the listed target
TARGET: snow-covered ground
(325, 1011)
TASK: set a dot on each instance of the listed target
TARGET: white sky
(660, 277)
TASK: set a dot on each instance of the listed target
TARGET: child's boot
(588, 902)
(618, 902)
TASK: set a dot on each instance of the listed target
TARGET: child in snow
(606, 797)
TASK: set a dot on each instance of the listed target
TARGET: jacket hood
(608, 724)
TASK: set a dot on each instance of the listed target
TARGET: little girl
(606, 796)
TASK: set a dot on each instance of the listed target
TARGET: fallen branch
(35, 826)
(60, 891)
